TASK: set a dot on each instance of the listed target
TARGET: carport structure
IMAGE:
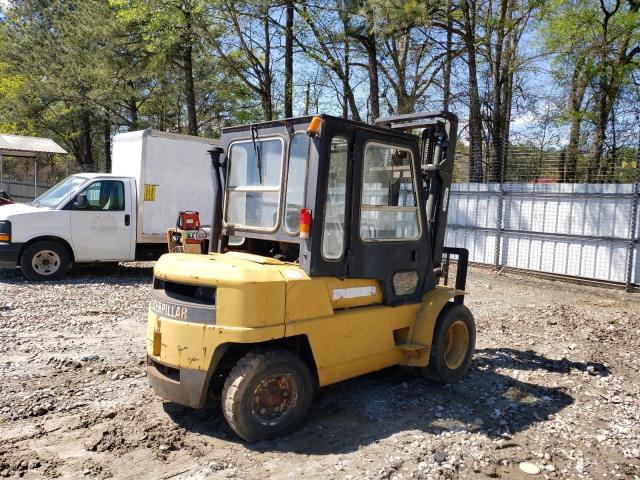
(27, 148)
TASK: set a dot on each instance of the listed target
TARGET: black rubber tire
(34, 249)
(239, 387)
(437, 370)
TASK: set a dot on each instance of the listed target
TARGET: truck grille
(200, 294)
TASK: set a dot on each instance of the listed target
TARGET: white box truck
(100, 217)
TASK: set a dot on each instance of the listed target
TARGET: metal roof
(21, 146)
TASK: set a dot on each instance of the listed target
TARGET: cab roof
(296, 121)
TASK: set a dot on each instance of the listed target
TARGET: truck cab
(102, 217)
(87, 217)
(326, 262)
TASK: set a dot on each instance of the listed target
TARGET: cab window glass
(61, 192)
(253, 186)
(256, 165)
(105, 195)
(388, 204)
(296, 181)
(334, 208)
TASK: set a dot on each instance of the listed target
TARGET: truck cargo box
(172, 172)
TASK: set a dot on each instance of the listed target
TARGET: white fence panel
(580, 230)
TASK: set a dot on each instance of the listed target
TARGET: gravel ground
(553, 390)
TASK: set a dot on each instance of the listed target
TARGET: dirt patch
(554, 383)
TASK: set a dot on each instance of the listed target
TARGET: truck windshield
(60, 192)
(253, 186)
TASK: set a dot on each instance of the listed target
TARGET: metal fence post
(633, 223)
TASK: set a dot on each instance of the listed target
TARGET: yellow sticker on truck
(150, 192)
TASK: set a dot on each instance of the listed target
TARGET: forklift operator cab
(363, 186)
(325, 263)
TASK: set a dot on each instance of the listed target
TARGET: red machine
(189, 222)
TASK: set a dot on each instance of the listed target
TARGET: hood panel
(11, 209)
(232, 268)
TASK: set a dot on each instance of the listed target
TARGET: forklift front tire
(267, 394)
(44, 260)
(454, 340)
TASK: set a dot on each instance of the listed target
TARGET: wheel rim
(45, 262)
(455, 344)
(274, 399)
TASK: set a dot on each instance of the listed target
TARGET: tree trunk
(307, 99)
(507, 101)
(178, 112)
(561, 167)
(497, 121)
(187, 63)
(87, 152)
(345, 80)
(595, 156)
(355, 113)
(133, 110)
(406, 101)
(475, 118)
(288, 62)
(446, 71)
(573, 149)
(267, 81)
(576, 96)
(613, 157)
(609, 82)
(609, 90)
(374, 89)
(348, 98)
(107, 144)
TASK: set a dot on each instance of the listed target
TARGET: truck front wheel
(454, 340)
(267, 394)
(44, 260)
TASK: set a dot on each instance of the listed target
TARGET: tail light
(305, 222)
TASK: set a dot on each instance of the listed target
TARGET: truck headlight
(5, 231)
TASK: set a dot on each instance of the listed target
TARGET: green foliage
(65, 63)
(589, 45)
(67, 67)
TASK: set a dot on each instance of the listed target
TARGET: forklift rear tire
(45, 260)
(454, 340)
(267, 394)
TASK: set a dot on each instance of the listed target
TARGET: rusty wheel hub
(273, 398)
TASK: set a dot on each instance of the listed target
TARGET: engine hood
(14, 209)
(229, 269)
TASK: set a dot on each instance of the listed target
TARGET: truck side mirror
(81, 202)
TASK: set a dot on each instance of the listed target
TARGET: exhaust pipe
(215, 244)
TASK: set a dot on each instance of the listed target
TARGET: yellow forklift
(326, 261)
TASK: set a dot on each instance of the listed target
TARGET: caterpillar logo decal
(169, 310)
(192, 314)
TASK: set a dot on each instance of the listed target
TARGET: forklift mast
(437, 149)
